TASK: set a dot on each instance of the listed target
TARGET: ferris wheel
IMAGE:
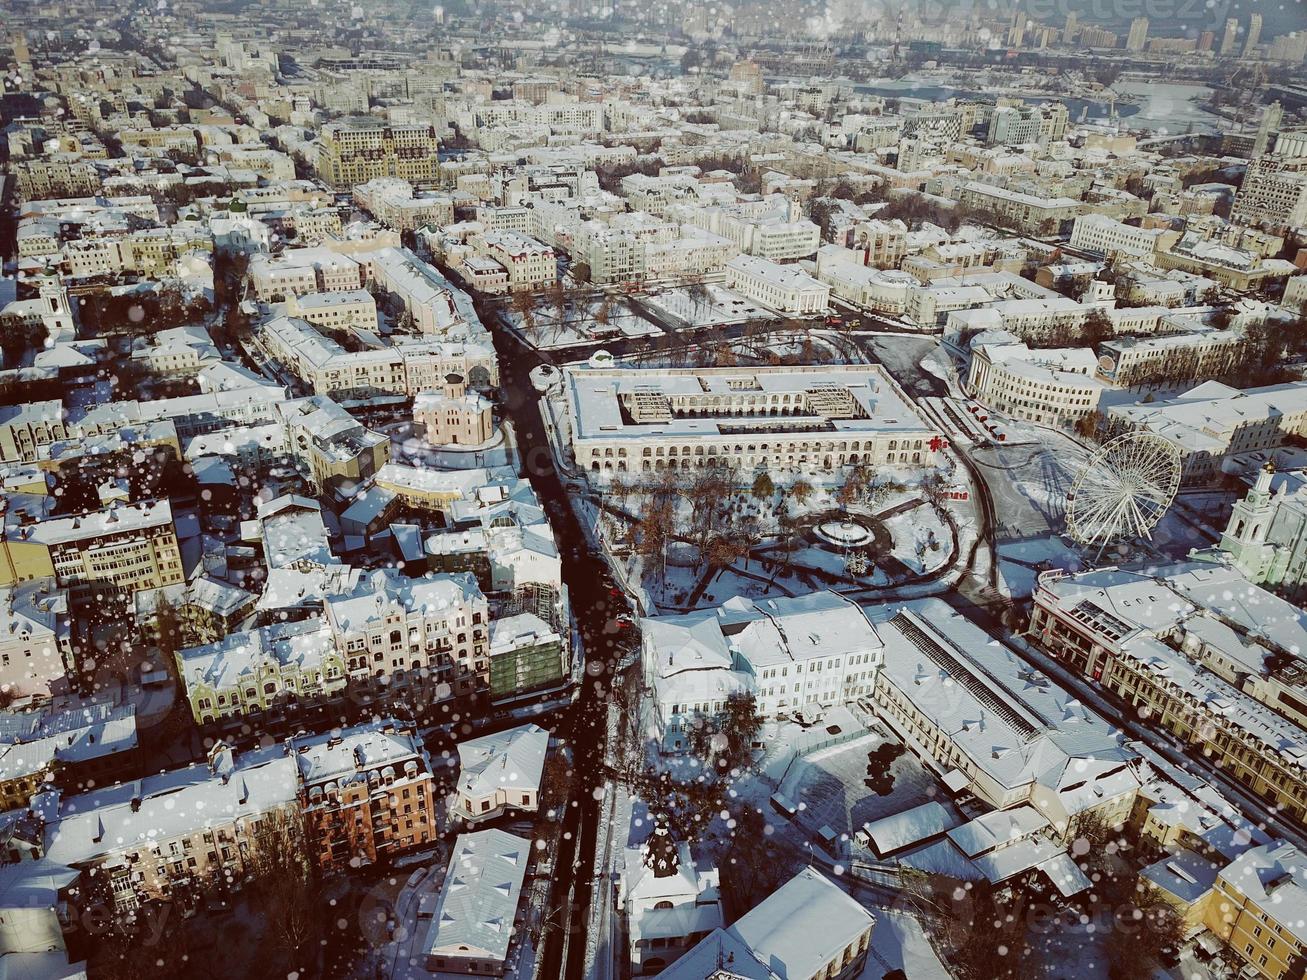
(1124, 491)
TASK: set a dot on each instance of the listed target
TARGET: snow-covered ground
(579, 324)
(829, 786)
(1019, 562)
(905, 357)
(1030, 483)
(714, 305)
(922, 541)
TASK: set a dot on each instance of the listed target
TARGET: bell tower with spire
(1245, 537)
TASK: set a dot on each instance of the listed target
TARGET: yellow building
(1260, 909)
(124, 548)
(365, 149)
(1128, 631)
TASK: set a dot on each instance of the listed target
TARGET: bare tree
(286, 879)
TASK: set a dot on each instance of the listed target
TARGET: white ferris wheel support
(1124, 490)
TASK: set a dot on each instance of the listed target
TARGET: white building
(341, 311)
(1213, 421)
(1266, 536)
(809, 928)
(499, 773)
(796, 656)
(1051, 387)
(529, 264)
(769, 228)
(785, 288)
(974, 712)
(863, 285)
(670, 902)
(1099, 233)
(473, 923)
(36, 652)
(298, 271)
(392, 202)
(792, 419)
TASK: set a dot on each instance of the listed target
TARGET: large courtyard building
(1199, 651)
(795, 419)
(1213, 421)
(362, 149)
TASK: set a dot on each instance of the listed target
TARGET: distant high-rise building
(1270, 122)
(1097, 37)
(21, 54)
(1289, 47)
(1138, 36)
(1254, 34)
(1069, 32)
(1230, 37)
(1016, 33)
(1205, 41)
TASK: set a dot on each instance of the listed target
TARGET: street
(583, 725)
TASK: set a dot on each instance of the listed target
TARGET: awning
(956, 780)
(1065, 875)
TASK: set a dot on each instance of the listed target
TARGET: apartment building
(36, 652)
(783, 419)
(1174, 644)
(1259, 907)
(1024, 213)
(177, 834)
(1213, 421)
(27, 428)
(408, 368)
(1099, 233)
(771, 228)
(207, 608)
(336, 312)
(435, 305)
(529, 264)
(121, 550)
(368, 794)
(1273, 193)
(393, 626)
(1050, 387)
(176, 351)
(785, 288)
(300, 271)
(526, 652)
(393, 202)
(65, 742)
(1234, 268)
(59, 175)
(1126, 361)
(882, 244)
(257, 676)
(364, 148)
